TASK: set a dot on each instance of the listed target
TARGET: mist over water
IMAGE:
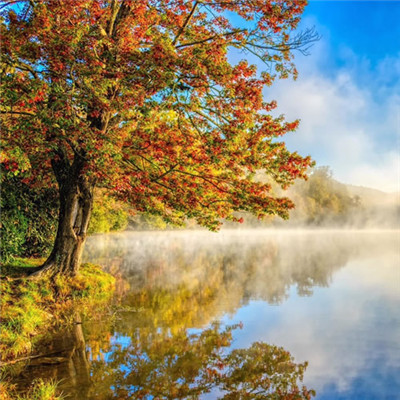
(329, 297)
(184, 298)
(265, 262)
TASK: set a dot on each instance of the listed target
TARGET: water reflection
(234, 266)
(61, 357)
(349, 332)
(329, 298)
(155, 363)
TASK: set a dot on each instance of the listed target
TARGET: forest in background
(29, 216)
(322, 201)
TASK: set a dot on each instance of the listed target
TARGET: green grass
(20, 267)
(30, 307)
(39, 390)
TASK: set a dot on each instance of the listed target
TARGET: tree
(323, 200)
(138, 96)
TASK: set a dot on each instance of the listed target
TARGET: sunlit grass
(39, 390)
(19, 267)
(30, 307)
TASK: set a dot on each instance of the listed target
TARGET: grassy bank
(39, 390)
(32, 307)
(29, 307)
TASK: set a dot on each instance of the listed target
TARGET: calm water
(331, 299)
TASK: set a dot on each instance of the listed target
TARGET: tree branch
(21, 66)
(18, 113)
(165, 173)
(210, 38)
(204, 179)
(208, 118)
(114, 12)
(182, 29)
(10, 3)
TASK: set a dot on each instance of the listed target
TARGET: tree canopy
(141, 97)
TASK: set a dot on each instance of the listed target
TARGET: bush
(108, 214)
(28, 219)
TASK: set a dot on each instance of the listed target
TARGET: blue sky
(348, 92)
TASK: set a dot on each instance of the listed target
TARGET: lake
(202, 315)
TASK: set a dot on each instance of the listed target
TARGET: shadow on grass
(20, 267)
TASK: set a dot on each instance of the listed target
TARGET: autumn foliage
(142, 97)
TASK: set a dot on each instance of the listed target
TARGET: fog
(323, 202)
(330, 297)
(240, 265)
(343, 207)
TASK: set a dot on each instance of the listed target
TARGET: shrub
(28, 219)
(108, 214)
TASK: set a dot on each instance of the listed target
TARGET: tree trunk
(76, 201)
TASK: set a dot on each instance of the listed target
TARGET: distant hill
(373, 196)
(322, 201)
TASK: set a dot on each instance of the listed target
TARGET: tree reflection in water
(184, 365)
(158, 364)
(147, 349)
(233, 269)
(160, 341)
(61, 358)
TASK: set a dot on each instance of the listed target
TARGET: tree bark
(76, 201)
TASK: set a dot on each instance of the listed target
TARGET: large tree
(142, 97)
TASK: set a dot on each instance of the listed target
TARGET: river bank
(31, 308)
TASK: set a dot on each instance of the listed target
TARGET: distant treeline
(322, 201)
(29, 216)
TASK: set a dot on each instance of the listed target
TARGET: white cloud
(350, 116)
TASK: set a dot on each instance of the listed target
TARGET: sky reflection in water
(192, 308)
(331, 299)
